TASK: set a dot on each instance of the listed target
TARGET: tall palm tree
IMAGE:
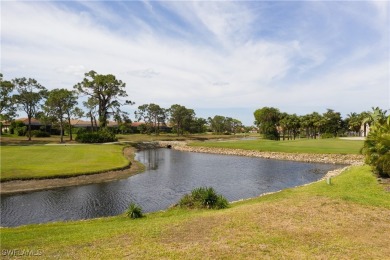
(376, 116)
(354, 122)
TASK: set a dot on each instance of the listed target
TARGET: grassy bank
(7, 139)
(346, 220)
(319, 146)
(32, 162)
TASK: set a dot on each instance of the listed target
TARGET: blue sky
(225, 58)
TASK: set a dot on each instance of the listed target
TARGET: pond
(170, 174)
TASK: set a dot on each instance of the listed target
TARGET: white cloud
(219, 59)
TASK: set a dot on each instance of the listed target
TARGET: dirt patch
(20, 186)
(198, 230)
(385, 183)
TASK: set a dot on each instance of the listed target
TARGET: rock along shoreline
(350, 159)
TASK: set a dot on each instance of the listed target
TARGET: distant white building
(364, 129)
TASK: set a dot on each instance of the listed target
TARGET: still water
(170, 174)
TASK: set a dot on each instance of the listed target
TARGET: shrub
(20, 130)
(39, 133)
(103, 136)
(203, 197)
(14, 125)
(327, 136)
(377, 149)
(134, 211)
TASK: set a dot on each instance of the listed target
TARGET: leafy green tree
(18, 128)
(28, 98)
(7, 106)
(106, 91)
(331, 122)
(153, 116)
(124, 122)
(220, 124)
(198, 125)
(267, 119)
(235, 125)
(180, 118)
(60, 104)
(46, 119)
(217, 124)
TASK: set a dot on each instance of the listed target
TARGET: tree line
(59, 106)
(182, 120)
(105, 98)
(276, 125)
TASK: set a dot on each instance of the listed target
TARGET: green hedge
(103, 136)
(39, 133)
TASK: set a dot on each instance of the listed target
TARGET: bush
(327, 136)
(377, 149)
(20, 130)
(39, 133)
(103, 136)
(204, 197)
(14, 125)
(134, 211)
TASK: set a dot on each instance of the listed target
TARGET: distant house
(5, 125)
(78, 123)
(35, 124)
(137, 124)
(254, 130)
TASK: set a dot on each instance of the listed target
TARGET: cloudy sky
(225, 58)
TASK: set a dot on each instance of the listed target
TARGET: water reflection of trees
(152, 157)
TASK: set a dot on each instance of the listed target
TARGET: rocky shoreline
(350, 159)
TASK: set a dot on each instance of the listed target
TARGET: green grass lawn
(320, 146)
(346, 220)
(38, 161)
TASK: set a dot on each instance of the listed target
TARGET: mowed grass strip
(44, 161)
(318, 146)
(349, 219)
